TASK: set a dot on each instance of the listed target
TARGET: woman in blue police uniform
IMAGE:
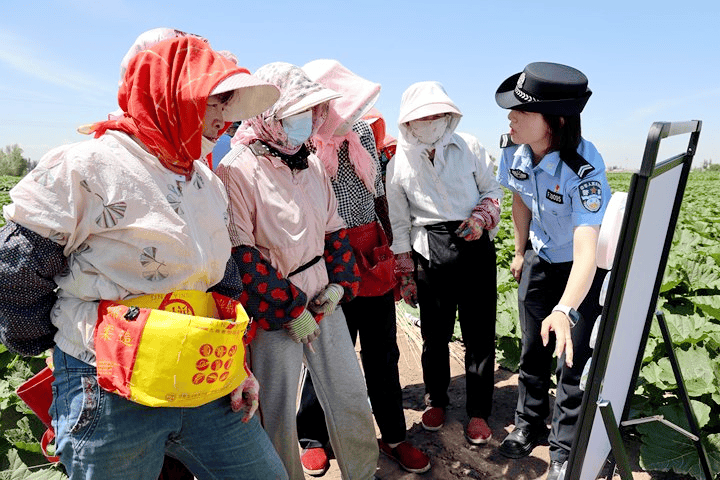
(560, 192)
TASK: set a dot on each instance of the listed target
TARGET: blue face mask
(298, 128)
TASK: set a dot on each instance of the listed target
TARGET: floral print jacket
(127, 225)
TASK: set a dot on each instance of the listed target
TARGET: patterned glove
(405, 287)
(485, 216)
(404, 264)
(471, 229)
(408, 290)
(326, 301)
(303, 329)
(245, 397)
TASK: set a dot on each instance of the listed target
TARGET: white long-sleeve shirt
(421, 192)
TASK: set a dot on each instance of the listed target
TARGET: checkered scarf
(359, 95)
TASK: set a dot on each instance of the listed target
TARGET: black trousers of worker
(541, 287)
(373, 318)
(466, 290)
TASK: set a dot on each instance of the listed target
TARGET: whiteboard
(635, 304)
(653, 203)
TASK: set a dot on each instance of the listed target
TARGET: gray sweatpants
(276, 362)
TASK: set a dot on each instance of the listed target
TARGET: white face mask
(298, 127)
(429, 131)
(206, 147)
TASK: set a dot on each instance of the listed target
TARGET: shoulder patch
(579, 165)
(591, 195)
(506, 141)
(519, 174)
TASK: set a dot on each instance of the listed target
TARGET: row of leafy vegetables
(689, 297)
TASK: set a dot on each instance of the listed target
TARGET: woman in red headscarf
(129, 213)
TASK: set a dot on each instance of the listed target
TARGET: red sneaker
(433, 418)
(315, 461)
(477, 431)
(409, 457)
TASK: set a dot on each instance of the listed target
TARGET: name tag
(554, 196)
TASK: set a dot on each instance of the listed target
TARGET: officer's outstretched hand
(558, 323)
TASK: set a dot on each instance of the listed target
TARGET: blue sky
(646, 61)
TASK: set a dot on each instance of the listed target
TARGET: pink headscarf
(296, 91)
(358, 96)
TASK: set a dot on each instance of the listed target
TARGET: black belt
(305, 266)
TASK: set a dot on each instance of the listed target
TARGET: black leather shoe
(520, 442)
(554, 470)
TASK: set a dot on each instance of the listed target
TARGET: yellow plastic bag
(182, 349)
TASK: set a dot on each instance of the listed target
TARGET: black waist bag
(444, 244)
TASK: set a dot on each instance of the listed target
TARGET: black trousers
(466, 290)
(373, 319)
(541, 287)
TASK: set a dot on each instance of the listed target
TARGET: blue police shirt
(557, 197)
(222, 147)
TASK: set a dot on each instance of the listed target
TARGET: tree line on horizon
(12, 162)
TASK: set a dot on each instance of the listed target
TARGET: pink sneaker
(433, 418)
(409, 457)
(477, 431)
(315, 461)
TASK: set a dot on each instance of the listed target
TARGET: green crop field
(690, 298)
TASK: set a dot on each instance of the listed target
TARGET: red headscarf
(164, 96)
(384, 142)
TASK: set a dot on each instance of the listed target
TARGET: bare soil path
(452, 456)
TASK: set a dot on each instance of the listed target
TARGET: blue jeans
(103, 435)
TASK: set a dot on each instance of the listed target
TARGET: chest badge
(554, 196)
(519, 174)
(591, 195)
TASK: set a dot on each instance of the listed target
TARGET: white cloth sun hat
(309, 101)
(252, 97)
(423, 99)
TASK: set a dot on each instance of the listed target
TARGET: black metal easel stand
(616, 443)
(682, 392)
(613, 431)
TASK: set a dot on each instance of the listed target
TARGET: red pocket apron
(374, 258)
